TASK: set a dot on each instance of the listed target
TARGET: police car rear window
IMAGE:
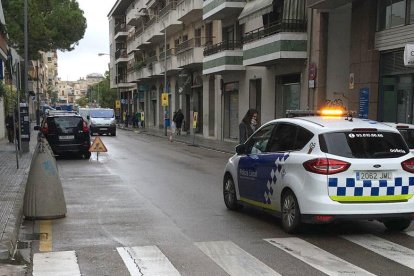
(368, 145)
(408, 134)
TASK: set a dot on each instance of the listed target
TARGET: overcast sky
(84, 59)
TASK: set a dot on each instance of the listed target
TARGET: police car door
(253, 171)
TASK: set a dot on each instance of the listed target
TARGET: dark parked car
(66, 132)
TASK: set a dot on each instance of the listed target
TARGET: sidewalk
(198, 140)
(12, 187)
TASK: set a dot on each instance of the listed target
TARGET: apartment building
(220, 58)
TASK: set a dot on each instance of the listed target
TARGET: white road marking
(317, 257)
(390, 250)
(63, 263)
(410, 233)
(146, 260)
(233, 259)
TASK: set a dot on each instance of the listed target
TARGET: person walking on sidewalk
(248, 125)
(10, 127)
(178, 120)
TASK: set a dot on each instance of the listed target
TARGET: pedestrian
(138, 118)
(178, 120)
(10, 127)
(126, 118)
(142, 119)
(248, 125)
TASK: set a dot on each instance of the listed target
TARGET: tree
(107, 96)
(52, 25)
(82, 102)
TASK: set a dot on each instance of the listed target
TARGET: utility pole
(165, 76)
(37, 95)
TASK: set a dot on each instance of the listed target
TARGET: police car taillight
(85, 128)
(326, 166)
(408, 165)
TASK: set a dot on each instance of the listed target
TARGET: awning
(254, 9)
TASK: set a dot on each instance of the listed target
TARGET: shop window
(391, 13)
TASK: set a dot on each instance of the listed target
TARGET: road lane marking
(390, 250)
(146, 260)
(317, 257)
(63, 263)
(45, 240)
(233, 259)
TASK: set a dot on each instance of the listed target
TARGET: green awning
(254, 9)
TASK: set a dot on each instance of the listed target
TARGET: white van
(100, 120)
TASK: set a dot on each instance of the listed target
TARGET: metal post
(26, 69)
(37, 95)
(165, 77)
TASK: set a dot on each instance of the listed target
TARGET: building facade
(222, 57)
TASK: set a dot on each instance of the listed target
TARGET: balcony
(220, 9)
(190, 53)
(131, 17)
(121, 55)
(121, 81)
(285, 39)
(326, 4)
(224, 56)
(120, 31)
(169, 19)
(187, 10)
(140, 72)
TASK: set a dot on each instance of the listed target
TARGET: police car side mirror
(36, 128)
(88, 117)
(241, 149)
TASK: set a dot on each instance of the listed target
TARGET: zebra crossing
(234, 260)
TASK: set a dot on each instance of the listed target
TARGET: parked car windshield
(370, 145)
(65, 124)
(102, 113)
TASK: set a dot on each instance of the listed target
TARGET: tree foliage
(52, 25)
(107, 96)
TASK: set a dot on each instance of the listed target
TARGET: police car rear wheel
(397, 224)
(229, 193)
(290, 212)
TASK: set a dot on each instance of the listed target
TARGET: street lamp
(165, 77)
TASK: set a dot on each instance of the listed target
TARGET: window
(363, 144)
(391, 13)
(258, 141)
(283, 138)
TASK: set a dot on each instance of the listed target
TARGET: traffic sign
(97, 146)
(117, 104)
(164, 99)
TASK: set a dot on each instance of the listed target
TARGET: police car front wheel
(229, 193)
(397, 224)
(290, 212)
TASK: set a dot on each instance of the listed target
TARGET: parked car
(66, 132)
(101, 120)
(407, 131)
(321, 169)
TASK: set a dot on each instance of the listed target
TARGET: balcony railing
(189, 44)
(170, 6)
(151, 59)
(170, 52)
(222, 46)
(122, 78)
(151, 21)
(121, 53)
(120, 28)
(277, 27)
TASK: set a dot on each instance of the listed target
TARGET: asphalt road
(151, 207)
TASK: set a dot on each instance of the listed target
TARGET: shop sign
(363, 103)
(409, 55)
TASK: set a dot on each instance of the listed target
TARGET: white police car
(321, 169)
(406, 130)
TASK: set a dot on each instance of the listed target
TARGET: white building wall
(2, 118)
(339, 43)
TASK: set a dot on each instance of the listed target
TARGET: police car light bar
(332, 112)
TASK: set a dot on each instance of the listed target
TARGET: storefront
(396, 103)
(231, 105)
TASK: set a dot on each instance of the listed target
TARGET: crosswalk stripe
(410, 233)
(233, 259)
(317, 257)
(390, 250)
(62, 263)
(146, 260)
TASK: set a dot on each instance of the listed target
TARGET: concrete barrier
(44, 198)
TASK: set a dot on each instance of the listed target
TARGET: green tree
(107, 96)
(82, 102)
(52, 25)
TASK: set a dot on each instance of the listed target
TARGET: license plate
(66, 137)
(374, 175)
(103, 128)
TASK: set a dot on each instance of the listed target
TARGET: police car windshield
(408, 134)
(367, 145)
(102, 113)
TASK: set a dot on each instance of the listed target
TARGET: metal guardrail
(151, 59)
(121, 53)
(170, 52)
(170, 6)
(121, 27)
(292, 26)
(189, 44)
(222, 46)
